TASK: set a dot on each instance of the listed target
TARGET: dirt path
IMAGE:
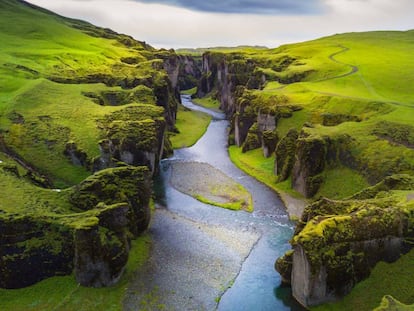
(354, 70)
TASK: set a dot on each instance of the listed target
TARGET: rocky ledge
(90, 236)
(337, 243)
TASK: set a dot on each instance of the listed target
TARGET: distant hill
(200, 51)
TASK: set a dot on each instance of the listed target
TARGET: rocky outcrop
(32, 249)
(117, 185)
(94, 243)
(313, 154)
(393, 182)
(310, 163)
(190, 71)
(101, 251)
(122, 195)
(224, 73)
(84, 228)
(269, 142)
(285, 155)
(134, 135)
(333, 119)
(77, 156)
(134, 142)
(337, 243)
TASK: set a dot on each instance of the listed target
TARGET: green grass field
(65, 82)
(208, 102)
(369, 76)
(393, 279)
(191, 126)
(255, 164)
(49, 71)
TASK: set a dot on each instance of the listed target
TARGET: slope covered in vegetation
(83, 117)
(327, 119)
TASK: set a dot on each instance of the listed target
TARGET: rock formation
(103, 107)
(94, 243)
(338, 242)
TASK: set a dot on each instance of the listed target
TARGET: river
(208, 258)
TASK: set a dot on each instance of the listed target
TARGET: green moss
(70, 296)
(138, 135)
(285, 155)
(396, 133)
(256, 165)
(389, 303)
(115, 185)
(252, 140)
(78, 73)
(283, 265)
(394, 182)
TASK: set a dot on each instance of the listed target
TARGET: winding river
(209, 258)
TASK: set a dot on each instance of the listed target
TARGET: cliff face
(339, 242)
(235, 80)
(33, 249)
(189, 71)
(102, 107)
(312, 134)
(313, 154)
(223, 73)
(93, 243)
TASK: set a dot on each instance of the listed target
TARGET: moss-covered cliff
(333, 128)
(76, 99)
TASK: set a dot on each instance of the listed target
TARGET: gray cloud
(266, 7)
(172, 26)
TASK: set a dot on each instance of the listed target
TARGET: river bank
(207, 258)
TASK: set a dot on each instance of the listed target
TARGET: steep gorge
(88, 118)
(104, 133)
(336, 242)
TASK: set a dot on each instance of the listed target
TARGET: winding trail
(354, 70)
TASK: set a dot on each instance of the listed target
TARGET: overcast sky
(203, 23)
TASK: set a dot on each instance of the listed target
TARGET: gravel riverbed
(190, 267)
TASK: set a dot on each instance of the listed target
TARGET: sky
(203, 23)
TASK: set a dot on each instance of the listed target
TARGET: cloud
(267, 7)
(172, 27)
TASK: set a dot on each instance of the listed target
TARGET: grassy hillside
(343, 111)
(366, 77)
(59, 79)
(74, 98)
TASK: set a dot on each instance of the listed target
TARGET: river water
(187, 267)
